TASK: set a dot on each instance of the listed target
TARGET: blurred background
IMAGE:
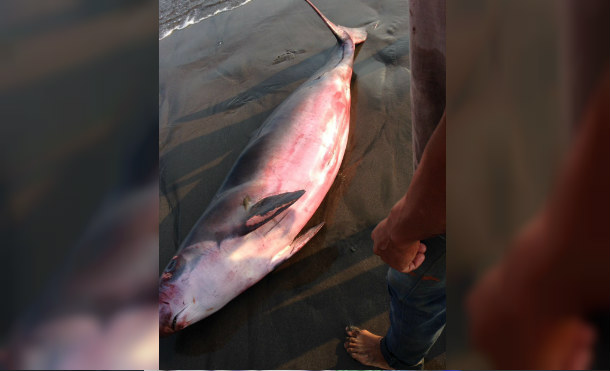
(520, 76)
(78, 184)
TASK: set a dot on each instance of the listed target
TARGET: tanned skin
(528, 312)
(420, 214)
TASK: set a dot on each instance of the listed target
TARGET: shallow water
(178, 14)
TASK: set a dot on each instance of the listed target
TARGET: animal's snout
(165, 319)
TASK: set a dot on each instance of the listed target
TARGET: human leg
(417, 309)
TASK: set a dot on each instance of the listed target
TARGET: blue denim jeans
(417, 309)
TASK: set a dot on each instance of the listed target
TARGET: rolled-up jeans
(417, 309)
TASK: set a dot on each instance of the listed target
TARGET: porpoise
(274, 188)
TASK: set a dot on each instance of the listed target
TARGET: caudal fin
(358, 35)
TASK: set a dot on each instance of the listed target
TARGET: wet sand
(219, 80)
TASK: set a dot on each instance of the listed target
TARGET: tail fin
(358, 35)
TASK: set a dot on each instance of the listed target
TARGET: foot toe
(352, 330)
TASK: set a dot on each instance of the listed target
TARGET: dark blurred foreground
(78, 184)
(528, 173)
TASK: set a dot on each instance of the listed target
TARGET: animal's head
(180, 288)
(201, 279)
(226, 259)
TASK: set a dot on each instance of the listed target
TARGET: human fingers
(382, 230)
(381, 244)
(415, 263)
(422, 248)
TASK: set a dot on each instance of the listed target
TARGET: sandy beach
(219, 79)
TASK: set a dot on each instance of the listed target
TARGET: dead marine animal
(272, 191)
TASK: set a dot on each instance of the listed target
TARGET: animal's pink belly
(312, 159)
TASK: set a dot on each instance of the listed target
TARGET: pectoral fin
(268, 208)
(305, 237)
(296, 245)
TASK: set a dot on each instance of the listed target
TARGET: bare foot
(365, 347)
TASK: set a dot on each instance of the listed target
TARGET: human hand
(515, 331)
(403, 256)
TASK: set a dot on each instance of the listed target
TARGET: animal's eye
(172, 264)
(175, 265)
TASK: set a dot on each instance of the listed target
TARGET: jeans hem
(394, 362)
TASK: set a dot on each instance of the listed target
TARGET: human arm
(420, 213)
(535, 301)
